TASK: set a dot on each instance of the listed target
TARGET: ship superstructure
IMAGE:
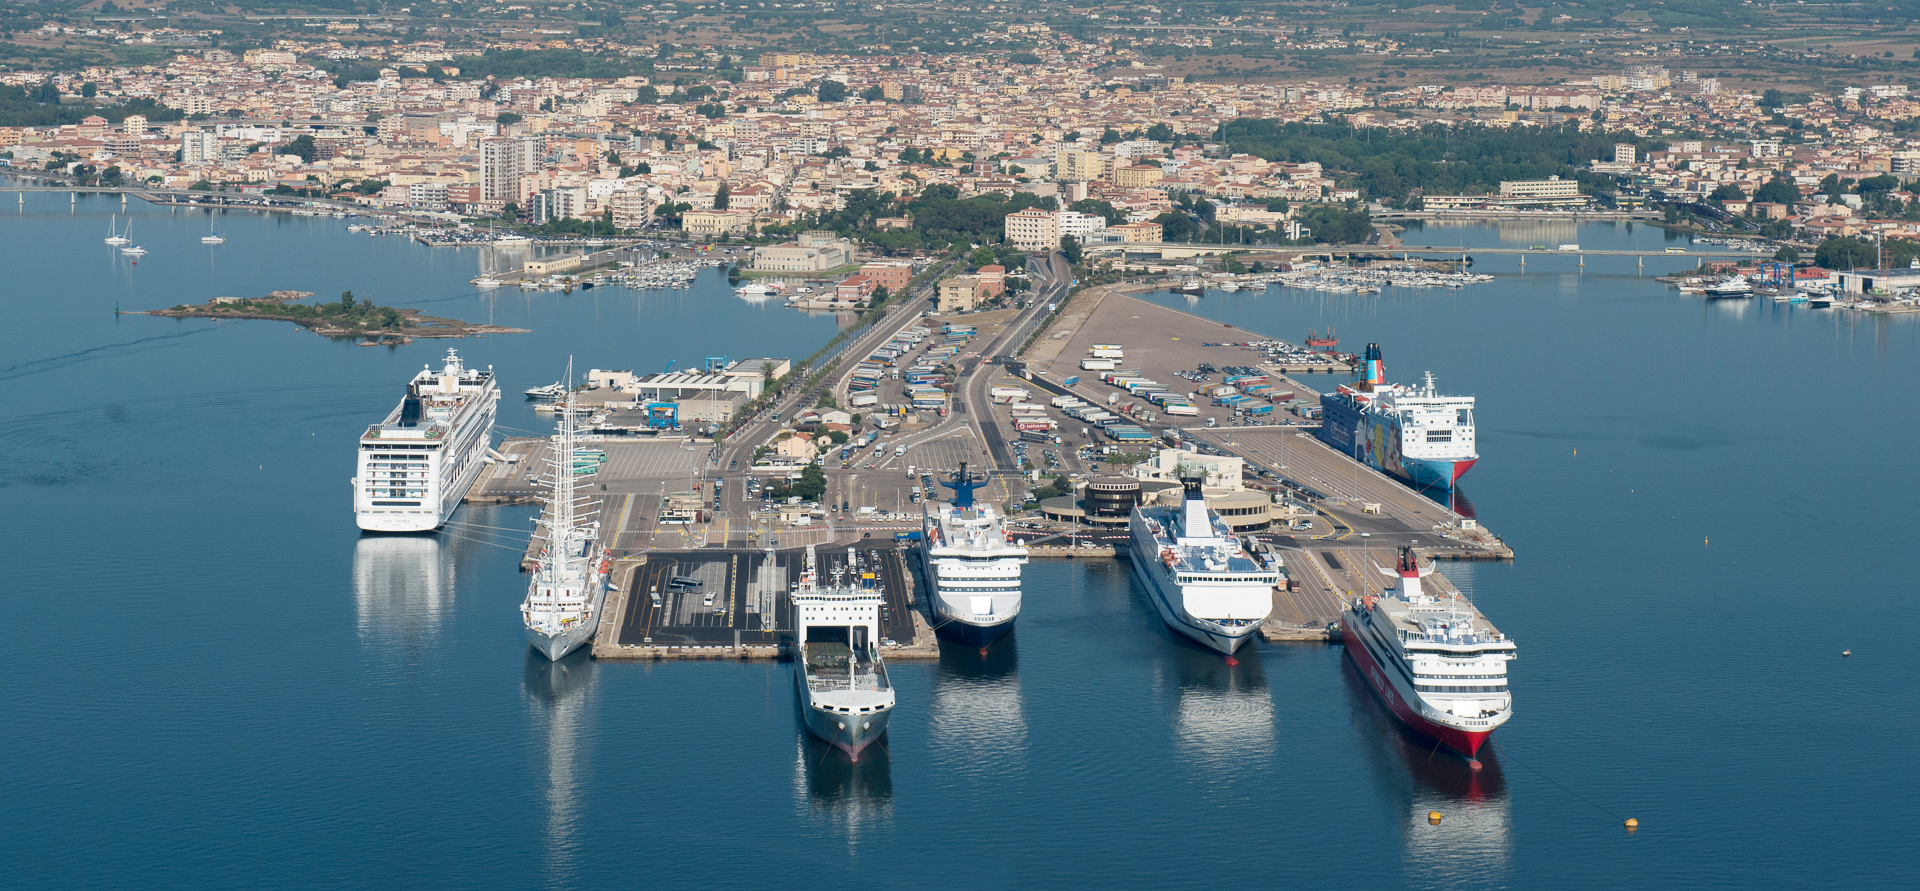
(1201, 581)
(1435, 661)
(973, 566)
(1415, 434)
(568, 590)
(845, 696)
(416, 465)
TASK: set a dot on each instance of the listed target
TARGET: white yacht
(547, 391)
(838, 674)
(113, 235)
(1203, 584)
(973, 566)
(568, 590)
(486, 281)
(416, 465)
(134, 251)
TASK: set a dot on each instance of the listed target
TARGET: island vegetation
(349, 317)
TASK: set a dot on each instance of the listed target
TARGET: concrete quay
(742, 609)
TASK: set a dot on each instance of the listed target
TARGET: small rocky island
(349, 317)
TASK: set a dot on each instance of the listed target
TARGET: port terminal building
(707, 395)
(1107, 501)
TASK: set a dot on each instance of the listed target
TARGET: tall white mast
(560, 533)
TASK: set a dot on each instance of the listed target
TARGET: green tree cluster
(1435, 159)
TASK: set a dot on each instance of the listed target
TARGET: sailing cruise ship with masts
(845, 696)
(1202, 583)
(973, 566)
(416, 465)
(568, 590)
(1434, 660)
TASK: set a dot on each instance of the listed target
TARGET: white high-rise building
(199, 147)
(502, 163)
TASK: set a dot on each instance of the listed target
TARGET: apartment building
(1034, 229)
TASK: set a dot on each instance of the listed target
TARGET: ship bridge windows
(1463, 417)
(1440, 435)
(1430, 688)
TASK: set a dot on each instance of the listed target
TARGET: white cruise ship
(1436, 662)
(973, 566)
(838, 674)
(568, 590)
(1200, 580)
(416, 465)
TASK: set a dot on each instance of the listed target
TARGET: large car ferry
(1417, 435)
(415, 466)
(1435, 661)
(973, 566)
(1201, 582)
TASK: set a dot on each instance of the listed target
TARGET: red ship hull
(1466, 742)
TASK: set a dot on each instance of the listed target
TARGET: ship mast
(560, 532)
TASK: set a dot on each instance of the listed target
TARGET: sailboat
(568, 590)
(113, 236)
(212, 237)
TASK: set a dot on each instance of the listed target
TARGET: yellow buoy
(1632, 824)
(1433, 817)
(1576, 452)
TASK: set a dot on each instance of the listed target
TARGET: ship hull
(974, 635)
(1225, 639)
(556, 646)
(1463, 741)
(1344, 429)
(850, 733)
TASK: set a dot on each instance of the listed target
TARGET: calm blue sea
(218, 684)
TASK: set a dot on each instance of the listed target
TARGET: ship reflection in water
(1451, 499)
(977, 720)
(558, 700)
(1224, 717)
(1473, 841)
(829, 788)
(402, 590)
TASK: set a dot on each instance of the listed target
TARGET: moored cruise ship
(1436, 662)
(1417, 435)
(1203, 584)
(845, 696)
(973, 566)
(415, 466)
(568, 590)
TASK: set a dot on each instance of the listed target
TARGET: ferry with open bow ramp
(973, 566)
(845, 696)
(1416, 435)
(1435, 661)
(568, 591)
(415, 466)
(1201, 581)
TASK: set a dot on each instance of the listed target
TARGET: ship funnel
(1374, 369)
(1193, 510)
(962, 487)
